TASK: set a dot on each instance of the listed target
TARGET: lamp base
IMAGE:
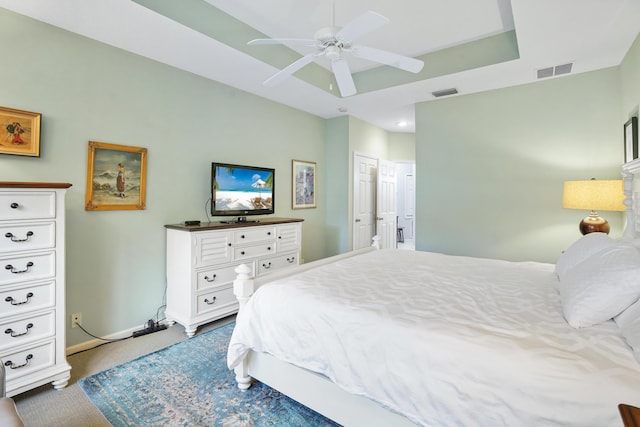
(594, 224)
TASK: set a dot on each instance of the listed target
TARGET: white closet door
(386, 204)
(364, 207)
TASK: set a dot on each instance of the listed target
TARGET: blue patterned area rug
(188, 384)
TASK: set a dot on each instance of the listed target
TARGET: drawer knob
(291, 260)
(242, 253)
(213, 300)
(210, 279)
(280, 237)
(18, 334)
(10, 364)
(15, 239)
(14, 302)
(242, 237)
(268, 233)
(14, 205)
(268, 248)
(266, 265)
(14, 271)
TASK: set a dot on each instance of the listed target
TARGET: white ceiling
(592, 34)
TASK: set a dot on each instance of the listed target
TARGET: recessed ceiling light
(402, 123)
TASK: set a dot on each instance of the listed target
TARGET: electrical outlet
(76, 319)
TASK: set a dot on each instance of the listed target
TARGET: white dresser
(32, 285)
(201, 262)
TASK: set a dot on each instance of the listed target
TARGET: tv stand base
(240, 220)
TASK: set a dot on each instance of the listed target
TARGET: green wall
(630, 82)
(337, 185)
(491, 166)
(88, 91)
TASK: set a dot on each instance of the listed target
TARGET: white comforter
(446, 341)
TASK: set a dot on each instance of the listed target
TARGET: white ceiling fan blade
(342, 73)
(362, 25)
(290, 69)
(388, 58)
(306, 42)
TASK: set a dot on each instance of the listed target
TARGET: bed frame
(309, 388)
(318, 392)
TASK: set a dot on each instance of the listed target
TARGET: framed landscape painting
(304, 184)
(116, 177)
(21, 132)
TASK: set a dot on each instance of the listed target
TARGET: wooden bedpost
(243, 288)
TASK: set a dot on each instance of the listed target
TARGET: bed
(392, 338)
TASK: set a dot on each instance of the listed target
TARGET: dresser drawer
(26, 361)
(27, 329)
(252, 251)
(212, 248)
(250, 235)
(26, 298)
(222, 300)
(21, 237)
(267, 265)
(215, 277)
(27, 267)
(27, 205)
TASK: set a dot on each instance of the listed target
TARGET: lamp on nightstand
(596, 196)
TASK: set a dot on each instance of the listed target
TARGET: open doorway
(383, 202)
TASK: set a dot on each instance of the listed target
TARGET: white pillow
(601, 286)
(629, 323)
(580, 250)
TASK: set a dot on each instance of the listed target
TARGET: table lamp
(596, 196)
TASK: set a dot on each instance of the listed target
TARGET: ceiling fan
(333, 42)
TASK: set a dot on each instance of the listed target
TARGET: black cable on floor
(108, 340)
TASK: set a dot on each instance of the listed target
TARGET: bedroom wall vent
(444, 92)
(557, 70)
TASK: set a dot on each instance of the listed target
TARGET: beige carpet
(69, 407)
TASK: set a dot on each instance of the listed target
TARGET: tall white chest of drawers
(201, 263)
(32, 285)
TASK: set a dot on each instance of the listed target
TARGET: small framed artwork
(631, 139)
(304, 184)
(21, 131)
(116, 177)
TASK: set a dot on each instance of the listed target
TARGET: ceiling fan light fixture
(332, 52)
(332, 41)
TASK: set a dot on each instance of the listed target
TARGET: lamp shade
(594, 195)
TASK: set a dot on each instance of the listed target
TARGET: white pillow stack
(580, 250)
(629, 323)
(599, 278)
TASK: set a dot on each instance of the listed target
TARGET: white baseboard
(87, 345)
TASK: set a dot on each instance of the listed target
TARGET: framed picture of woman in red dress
(20, 132)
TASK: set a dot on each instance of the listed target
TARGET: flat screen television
(239, 191)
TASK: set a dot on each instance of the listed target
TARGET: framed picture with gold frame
(304, 184)
(21, 132)
(116, 177)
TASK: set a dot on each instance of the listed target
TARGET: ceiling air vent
(558, 70)
(444, 92)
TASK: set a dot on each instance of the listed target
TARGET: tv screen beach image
(240, 189)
